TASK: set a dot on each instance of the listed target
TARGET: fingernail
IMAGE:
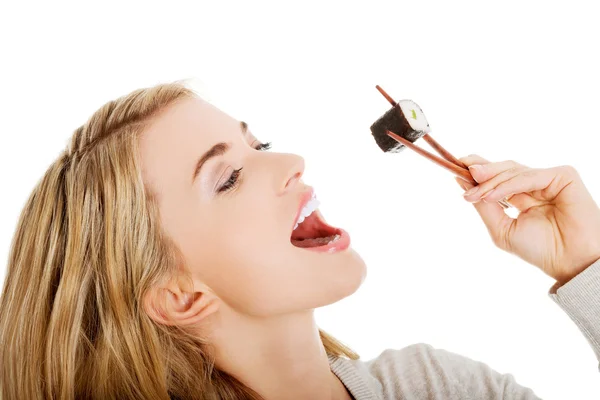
(461, 183)
(471, 191)
(476, 167)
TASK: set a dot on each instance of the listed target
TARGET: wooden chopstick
(387, 96)
(448, 161)
(455, 169)
(443, 152)
(427, 137)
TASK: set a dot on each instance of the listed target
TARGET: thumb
(492, 214)
(463, 184)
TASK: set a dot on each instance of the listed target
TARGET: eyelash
(263, 146)
(233, 180)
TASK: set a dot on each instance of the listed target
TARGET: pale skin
(252, 294)
(558, 228)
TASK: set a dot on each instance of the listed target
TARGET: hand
(558, 227)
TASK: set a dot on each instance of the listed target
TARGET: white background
(506, 80)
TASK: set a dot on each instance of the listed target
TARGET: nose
(292, 167)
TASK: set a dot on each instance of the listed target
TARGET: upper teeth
(308, 209)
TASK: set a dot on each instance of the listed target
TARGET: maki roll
(405, 119)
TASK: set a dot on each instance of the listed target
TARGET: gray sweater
(422, 372)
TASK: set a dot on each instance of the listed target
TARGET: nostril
(292, 173)
(293, 180)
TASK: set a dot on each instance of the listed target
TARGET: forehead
(179, 134)
(191, 119)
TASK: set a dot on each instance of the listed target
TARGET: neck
(279, 357)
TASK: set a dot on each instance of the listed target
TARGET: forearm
(580, 299)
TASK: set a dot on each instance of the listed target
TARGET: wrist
(563, 277)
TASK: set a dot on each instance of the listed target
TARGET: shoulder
(425, 372)
(420, 368)
(420, 358)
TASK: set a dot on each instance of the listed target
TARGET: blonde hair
(87, 247)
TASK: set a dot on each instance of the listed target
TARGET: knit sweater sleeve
(425, 372)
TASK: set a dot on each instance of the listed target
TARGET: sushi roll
(405, 119)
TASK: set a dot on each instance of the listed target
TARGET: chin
(347, 272)
(356, 271)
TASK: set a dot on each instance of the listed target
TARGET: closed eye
(263, 146)
(233, 180)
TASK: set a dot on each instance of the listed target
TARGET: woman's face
(235, 228)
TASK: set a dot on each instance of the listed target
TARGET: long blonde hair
(87, 247)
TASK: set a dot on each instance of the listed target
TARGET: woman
(157, 258)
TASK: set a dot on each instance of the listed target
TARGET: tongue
(314, 242)
(312, 232)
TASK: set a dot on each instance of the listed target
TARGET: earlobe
(174, 307)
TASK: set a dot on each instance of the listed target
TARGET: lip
(306, 196)
(339, 245)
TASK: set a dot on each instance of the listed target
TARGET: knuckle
(510, 172)
(516, 165)
(474, 159)
(569, 170)
(528, 173)
(514, 170)
(468, 159)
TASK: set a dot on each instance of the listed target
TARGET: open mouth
(313, 232)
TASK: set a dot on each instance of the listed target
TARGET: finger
(492, 214)
(522, 200)
(469, 160)
(542, 183)
(463, 184)
(519, 201)
(476, 193)
(496, 221)
(484, 172)
(473, 159)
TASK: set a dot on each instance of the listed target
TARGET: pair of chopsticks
(448, 161)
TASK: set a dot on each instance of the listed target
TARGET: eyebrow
(244, 126)
(217, 150)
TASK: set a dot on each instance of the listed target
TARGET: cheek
(247, 260)
(240, 248)
(244, 265)
(261, 284)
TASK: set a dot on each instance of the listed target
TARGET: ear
(170, 304)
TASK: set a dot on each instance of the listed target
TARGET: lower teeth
(325, 240)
